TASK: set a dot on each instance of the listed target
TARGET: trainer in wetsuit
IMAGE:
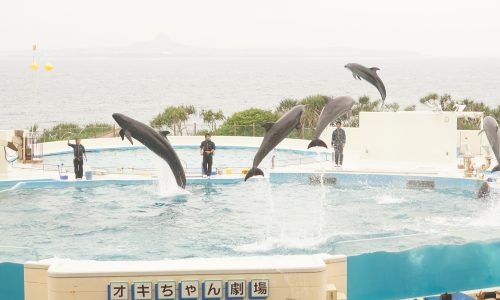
(207, 149)
(79, 152)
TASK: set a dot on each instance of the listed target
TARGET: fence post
(194, 128)
(253, 127)
(174, 128)
(234, 131)
(114, 130)
(302, 132)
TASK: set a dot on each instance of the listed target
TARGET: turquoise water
(404, 234)
(142, 158)
(257, 217)
(423, 271)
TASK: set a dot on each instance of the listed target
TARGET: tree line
(248, 122)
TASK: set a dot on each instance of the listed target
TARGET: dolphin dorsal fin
(375, 69)
(267, 126)
(164, 132)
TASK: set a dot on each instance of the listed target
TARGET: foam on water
(15, 187)
(490, 216)
(388, 199)
(166, 184)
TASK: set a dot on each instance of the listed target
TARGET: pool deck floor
(20, 172)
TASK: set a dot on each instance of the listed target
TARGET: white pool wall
(290, 277)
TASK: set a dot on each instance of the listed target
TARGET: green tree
(445, 101)
(410, 108)
(174, 117)
(314, 106)
(364, 104)
(65, 131)
(285, 105)
(246, 122)
(211, 118)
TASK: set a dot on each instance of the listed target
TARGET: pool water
(253, 218)
(142, 158)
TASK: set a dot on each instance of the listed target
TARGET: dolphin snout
(118, 118)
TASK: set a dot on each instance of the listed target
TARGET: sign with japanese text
(142, 291)
(233, 289)
(165, 290)
(118, 291)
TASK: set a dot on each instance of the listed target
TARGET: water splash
(488, 217)
(290, 224)
(13, 188)
(166, 185)
(388, 199)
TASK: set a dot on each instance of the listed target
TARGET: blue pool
(371, 223)
(142, 158)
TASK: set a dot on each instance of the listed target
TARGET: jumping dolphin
(333, 109)
(275, 133)
(490, 126)
(155, 142)
(368, 74)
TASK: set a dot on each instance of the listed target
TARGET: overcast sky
(440, 27)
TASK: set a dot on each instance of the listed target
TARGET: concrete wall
(409, 136)
(290, 277)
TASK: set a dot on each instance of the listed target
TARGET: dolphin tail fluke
(496, 169)
(317, 143)
(254, 172)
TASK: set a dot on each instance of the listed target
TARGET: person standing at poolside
(338, 143)
(79, 152)
(207, 149)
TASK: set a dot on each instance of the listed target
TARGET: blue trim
(150, 292)
(250, 290)
(228, 288)
(55, 183)
(157, 284)
(11, 281)
(424, 270)
(197, 289)
(468, 186)
(203, 290)
(139, 147)
(11, 182)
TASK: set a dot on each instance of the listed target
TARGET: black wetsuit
(207, 157)
(78, 159)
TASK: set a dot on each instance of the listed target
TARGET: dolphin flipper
(317, 143)
(254, 172)
(496, 169)
(126, 133)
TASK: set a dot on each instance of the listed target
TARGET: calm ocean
(91, 89)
